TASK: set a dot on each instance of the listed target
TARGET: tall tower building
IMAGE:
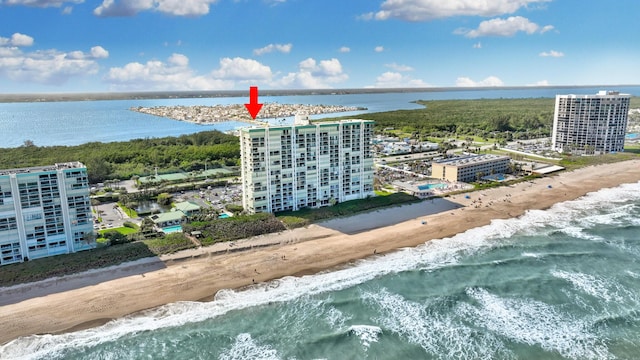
(593, 124)
(44, 211)
(306, 164)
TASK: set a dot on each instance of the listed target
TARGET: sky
(75, 46)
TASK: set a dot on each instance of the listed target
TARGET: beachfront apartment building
(469, 168)
(306, 164)
(44, 211)
(590, 124)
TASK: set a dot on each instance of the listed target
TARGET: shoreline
(196, 275)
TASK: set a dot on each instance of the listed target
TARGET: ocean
(79, 122)
(561, 283)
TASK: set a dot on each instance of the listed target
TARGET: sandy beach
(89, 299)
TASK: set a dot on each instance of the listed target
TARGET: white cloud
(379, 49)
(398, 67)
(51, 67)
(283, 48)
(490, 81)
(170, 7)
(422, 10)
(17, 40)
(98, 52)
(67, 10)
(40, 3)
(540, 83)
(477, 45)
(397, 80)
(314, 75)
(174, 74)
(551, 53)
(242, 69)
(344, 49)
(366, 17)
(504, 27)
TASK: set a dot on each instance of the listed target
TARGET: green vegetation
(304, 217)
(236, 227)
(480, 118)
(125, 230)
(53, 266)
(169, 244)
(122, 160)
(575, 162)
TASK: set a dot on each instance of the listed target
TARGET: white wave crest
(439, 334)
(535, 323)
(246, 348)
(595, 286)
(367, 333)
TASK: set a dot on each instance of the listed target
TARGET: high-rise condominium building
(44, 211)
(592, 124)
(306, 164)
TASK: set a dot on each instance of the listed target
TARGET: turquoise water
(223, 216)
(172, 229)
(562, 283)
(432, 186)
(631, 136)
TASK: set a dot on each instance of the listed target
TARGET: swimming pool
(172, 229)
(432, 186)
(631, 136)
(223, 216)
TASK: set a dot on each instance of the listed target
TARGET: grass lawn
(122, 230)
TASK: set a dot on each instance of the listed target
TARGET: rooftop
(472, 159)
(36, 169)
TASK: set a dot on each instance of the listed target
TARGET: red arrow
(253, 106)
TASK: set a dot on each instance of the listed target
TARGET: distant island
(237, 112)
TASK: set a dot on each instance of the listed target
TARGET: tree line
(488, 118)
(122, 160)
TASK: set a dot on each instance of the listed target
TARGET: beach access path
(197, 274)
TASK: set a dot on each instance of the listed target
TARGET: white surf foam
(245, 347)
(440, 334)
(434, 254)
(367, 333)
(535, 323)
(595, 286)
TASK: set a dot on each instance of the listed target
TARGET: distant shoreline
(149, 95)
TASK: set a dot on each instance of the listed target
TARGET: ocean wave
(367, 333)
(432, 255)
(245, 347)
(535, 323)
(439, 333)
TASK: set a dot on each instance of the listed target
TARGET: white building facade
(306, 165)
(44, 211)
(593, 124)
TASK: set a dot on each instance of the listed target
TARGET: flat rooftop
(36, 169)
(472, 159)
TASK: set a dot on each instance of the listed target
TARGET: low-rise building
(44, 211)
(470, 167)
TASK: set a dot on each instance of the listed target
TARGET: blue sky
(49, 46)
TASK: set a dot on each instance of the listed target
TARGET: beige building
(468, 168)
(592, 124)
(306, 164)
(44, 211)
